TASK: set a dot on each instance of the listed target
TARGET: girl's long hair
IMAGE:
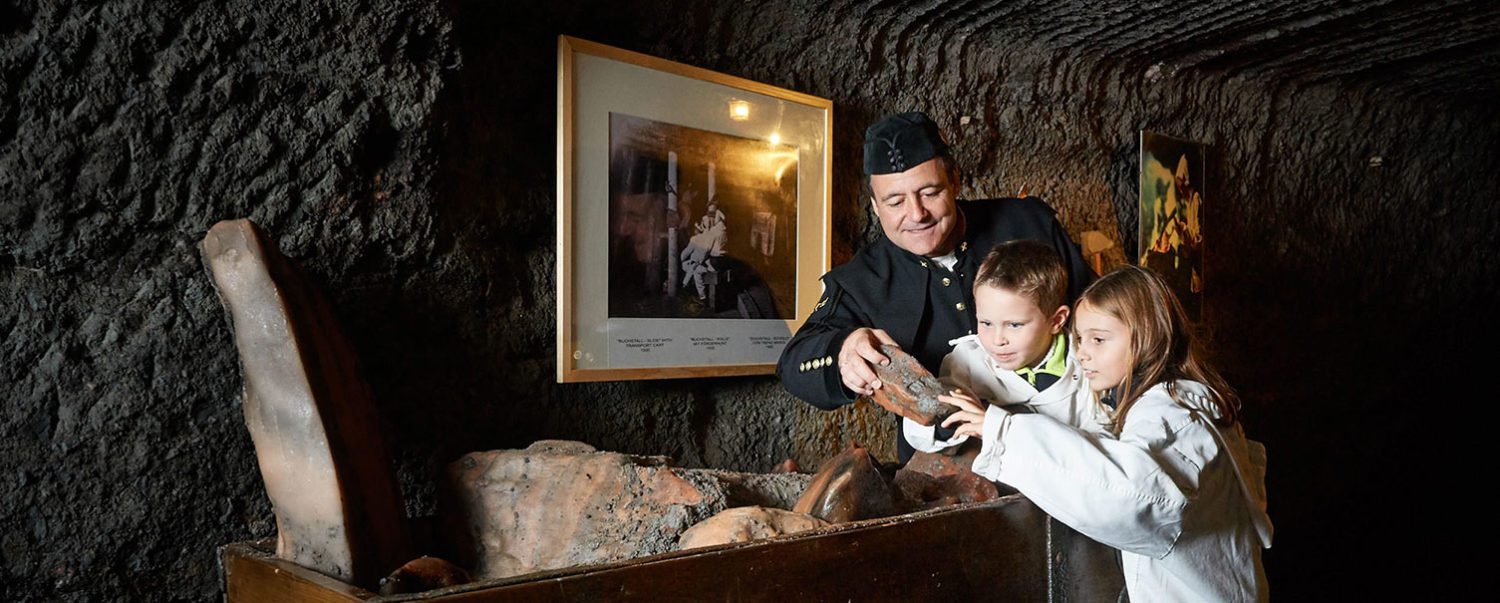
(1162, 347)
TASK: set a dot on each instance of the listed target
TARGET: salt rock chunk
(743, 524)
(849, 487)
(551, 506)
(908, 389)
(310, 415)
(936, 480)
(560, 447)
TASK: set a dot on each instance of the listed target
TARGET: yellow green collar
(1056, 363)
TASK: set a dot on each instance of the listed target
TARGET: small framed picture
(692, 217)
(1171, 219)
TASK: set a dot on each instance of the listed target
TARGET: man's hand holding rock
(858, 357)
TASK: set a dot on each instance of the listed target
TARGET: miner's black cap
(896, 143)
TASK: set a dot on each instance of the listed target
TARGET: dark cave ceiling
(1446, 50)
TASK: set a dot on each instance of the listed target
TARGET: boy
(1020, 356)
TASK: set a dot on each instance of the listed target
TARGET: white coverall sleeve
(923, 437)
(1129, 493)
(1076, 409)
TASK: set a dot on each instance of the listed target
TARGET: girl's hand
(970, 415)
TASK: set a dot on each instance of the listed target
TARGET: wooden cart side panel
(1002, 550)
(985, 552)
(252, 574)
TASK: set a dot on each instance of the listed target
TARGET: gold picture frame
(693, 217)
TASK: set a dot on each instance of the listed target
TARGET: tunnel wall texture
(403, 152)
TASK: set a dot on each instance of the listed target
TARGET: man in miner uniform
(913, 287)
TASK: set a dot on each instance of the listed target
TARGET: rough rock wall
(126, 130)
(404, 152)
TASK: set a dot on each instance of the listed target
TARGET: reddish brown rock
(743, 524)
(557, 505)
(310, 414)
(422, 574)
(908, 389)
(934, 480)
(849, 487)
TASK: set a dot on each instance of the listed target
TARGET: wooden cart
(1006, 549)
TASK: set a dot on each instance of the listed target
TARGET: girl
(1173, 483)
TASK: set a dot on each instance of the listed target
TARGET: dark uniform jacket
(913, 298)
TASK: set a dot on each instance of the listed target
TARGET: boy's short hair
(1029, 269)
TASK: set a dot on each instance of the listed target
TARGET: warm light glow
(739, 110)
(775, 139)
(780, 161)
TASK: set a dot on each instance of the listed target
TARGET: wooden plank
(1005, 549)
(993, 550)
(252, 574)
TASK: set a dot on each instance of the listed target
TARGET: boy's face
(1012, 329)
(1103, 348)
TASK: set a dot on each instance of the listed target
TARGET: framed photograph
(1171, 233)
(692, 217)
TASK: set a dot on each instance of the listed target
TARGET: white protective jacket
(1183, 499)
(968, 367)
